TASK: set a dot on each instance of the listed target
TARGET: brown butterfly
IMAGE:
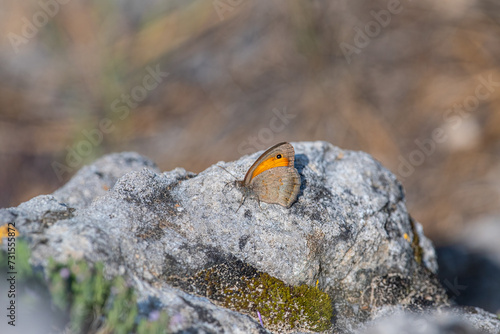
(272, 178)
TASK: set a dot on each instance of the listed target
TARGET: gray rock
(349, 234)
(466, 320)
(96, 179)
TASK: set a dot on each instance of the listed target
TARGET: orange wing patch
(5, 230)
(270, 163)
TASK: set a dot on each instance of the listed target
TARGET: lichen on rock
(242, 288)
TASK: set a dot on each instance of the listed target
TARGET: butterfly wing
(279, 155)
(278, 185)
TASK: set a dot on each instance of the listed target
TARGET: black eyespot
(278, 156)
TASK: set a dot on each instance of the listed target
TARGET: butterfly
(272, 178)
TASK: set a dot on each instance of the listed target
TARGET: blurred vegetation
(232, 69)
(89, 302)
(23, 268)
(98, 305)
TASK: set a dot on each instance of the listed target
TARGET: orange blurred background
(188, 83)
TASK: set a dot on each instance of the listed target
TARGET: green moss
(240, 287)
(418, 252)
(282, 306)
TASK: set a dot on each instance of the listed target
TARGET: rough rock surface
(466, 320)
(348, 234)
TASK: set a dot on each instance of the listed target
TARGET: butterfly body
(273, 178)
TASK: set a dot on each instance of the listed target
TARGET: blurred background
(191, 82)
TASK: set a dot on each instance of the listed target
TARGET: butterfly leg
(241, 203)
(225, 186)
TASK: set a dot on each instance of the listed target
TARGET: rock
(96, 179)
(347, 243)
(467, 320)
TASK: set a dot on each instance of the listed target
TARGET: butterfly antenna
(227, 171)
